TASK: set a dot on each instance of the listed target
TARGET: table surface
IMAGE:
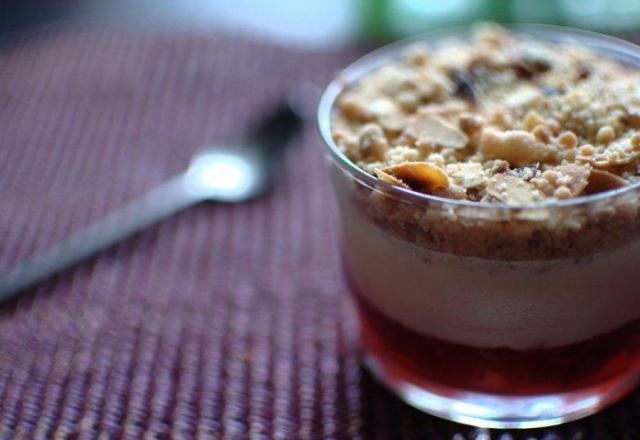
(225, 321)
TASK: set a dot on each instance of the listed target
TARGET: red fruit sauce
(498, 370)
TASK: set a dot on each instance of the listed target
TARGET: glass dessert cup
(492, 315)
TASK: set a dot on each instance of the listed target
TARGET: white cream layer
(489, 303)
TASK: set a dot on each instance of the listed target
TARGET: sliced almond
(428, 129)
(512, 190)
(391, 180)
(577, 177)
(419, 176)
(600, 181)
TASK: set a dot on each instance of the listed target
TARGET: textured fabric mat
(222, 322)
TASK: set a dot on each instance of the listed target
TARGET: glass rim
(616, 47)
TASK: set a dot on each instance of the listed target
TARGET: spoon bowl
(226, 175)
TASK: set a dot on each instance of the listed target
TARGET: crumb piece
(586, 151)
(496, 166)
(372, 141)
(568, 139)
(355, 107)
(470, 123)
(542, 133)
(523, 96)
(532, 120)
(400, 154)
(562, 193)
(388, 114)
(515, 146)
(605, 134)
(436, 159)
(467, 175)
(416, 55)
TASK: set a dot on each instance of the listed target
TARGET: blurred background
(328, 23)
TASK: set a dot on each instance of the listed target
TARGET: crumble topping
(500, 118)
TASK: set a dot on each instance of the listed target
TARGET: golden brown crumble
(499, 118)
(537, 235)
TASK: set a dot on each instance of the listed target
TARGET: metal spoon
(226, 174)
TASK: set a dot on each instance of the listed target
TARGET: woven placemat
(223, 322)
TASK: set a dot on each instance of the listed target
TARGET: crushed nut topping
(500, 118)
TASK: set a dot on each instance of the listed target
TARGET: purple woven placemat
(223, 322)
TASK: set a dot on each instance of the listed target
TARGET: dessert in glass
(487, 187)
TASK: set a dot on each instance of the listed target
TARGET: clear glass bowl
(495, 316)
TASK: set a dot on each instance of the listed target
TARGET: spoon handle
(157, 204)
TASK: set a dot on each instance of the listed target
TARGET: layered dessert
(497, 248)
